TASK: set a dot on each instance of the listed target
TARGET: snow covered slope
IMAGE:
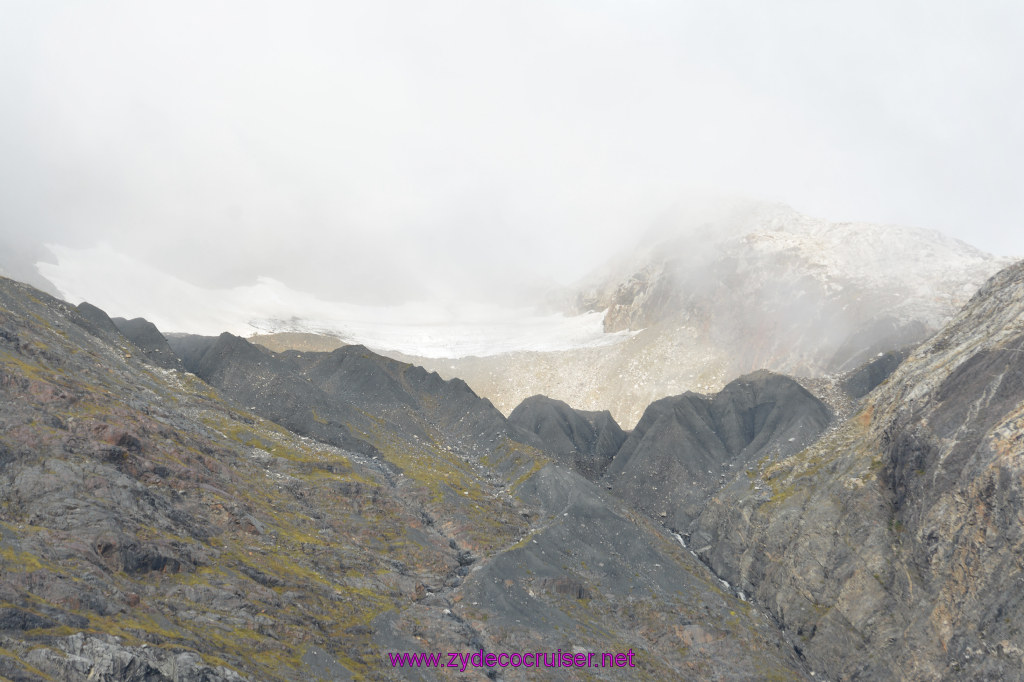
(738, 252)
(719, 291)
(126, 287)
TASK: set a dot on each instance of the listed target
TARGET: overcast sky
(384, 150)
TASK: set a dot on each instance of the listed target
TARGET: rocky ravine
(155, 527)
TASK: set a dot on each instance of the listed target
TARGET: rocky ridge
(584, 441)
(205, 536)
(892, 547)
(155, 527)
(686, 446)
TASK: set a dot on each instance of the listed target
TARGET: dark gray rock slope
(861, 381)
(686, 446)
(97, 321)
(345, 396)
(894, 547)
(148, 339)
(586, 441)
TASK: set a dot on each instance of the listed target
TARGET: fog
(384, 152)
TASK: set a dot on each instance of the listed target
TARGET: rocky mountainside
(685, 446)
(585, 441)
(341, 396)
(718, 292)
(147, 338)
(159, 523)
(894, 546)
(155, 526)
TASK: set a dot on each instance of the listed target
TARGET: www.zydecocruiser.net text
(482, 659)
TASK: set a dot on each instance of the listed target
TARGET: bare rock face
(148, 339)
(686, 446)
(99, 657)
(97, 321)
(341, 396)
(861, 381)
(585, 441)
(892, 547)
(638, 302)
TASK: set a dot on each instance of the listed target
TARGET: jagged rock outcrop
(892, 548)
(97, 321)
(148, 339)
(585, 441)
(686, 446)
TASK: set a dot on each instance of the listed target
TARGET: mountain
(584, 441)
(716, 292)
(892, 547)
(160, 523)
(157, 526)
(341, 396)
(148, 339)
(684, 446)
